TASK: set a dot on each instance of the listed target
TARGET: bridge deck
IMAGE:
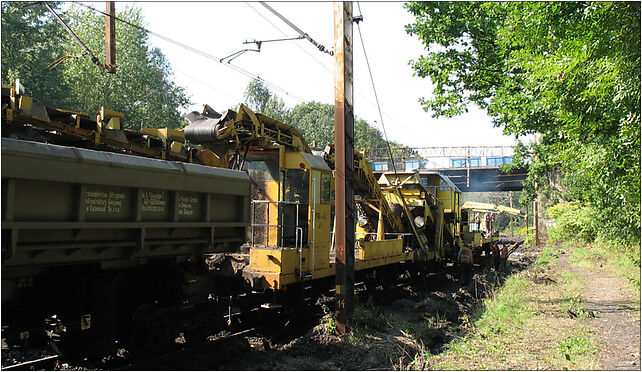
(475, 179)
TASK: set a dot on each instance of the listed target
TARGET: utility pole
(110, 37)
(536, 218)
(535, 202)
(344, 163)
(468, 167)
(510, 196)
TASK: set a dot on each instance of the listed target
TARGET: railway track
(253, 326)
(45, 362)
(249, 328)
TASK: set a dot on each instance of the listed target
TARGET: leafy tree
(259, 98)
(314, 120)
(30, 42)
(367, 136)
(142, 88)
(568, 71)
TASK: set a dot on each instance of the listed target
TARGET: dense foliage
(142, 88)
(573, 221)
(567, 71)
(577, 224)
(314, 120)
(260, 99)
(31, 40)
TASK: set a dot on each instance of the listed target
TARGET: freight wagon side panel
(63, 205)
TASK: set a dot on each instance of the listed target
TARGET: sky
(298, 72)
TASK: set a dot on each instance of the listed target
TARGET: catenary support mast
(110, 37)
(344, 163)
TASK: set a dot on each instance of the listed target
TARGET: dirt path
(616, 320)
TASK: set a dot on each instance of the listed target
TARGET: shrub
(573, 221)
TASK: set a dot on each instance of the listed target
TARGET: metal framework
(439, 152)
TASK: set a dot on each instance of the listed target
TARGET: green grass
(622, 260)
(575, 345)
(526, 325)
(547, 257)
(578, 228)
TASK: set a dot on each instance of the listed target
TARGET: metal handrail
(275, 202)
(298, 242)
(374, 233)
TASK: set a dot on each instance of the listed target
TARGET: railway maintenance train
(110, 235)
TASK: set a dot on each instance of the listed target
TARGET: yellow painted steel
(109, 119)
(277, 258)
(281, 261)
(379, 249)
(25, 103)
(293, 160)
(320, 220)
(278, 268)
(166, 134)
(208, 157)
(492, 208)
(24, 110)
(439, 202)
(176, 147)
(286, 265)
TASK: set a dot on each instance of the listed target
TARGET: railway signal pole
(344, 163)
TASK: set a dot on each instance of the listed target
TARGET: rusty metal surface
(110, 38)
(344, 164)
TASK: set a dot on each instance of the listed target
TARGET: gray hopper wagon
(87, 231)
(64, 205)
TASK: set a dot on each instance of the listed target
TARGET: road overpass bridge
(484, 179)
(471, 168)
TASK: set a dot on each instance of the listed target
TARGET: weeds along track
(390, 328)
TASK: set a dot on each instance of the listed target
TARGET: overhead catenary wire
(199, 52)
(329, 70)
(94, 59)
(375, 93)
(301, 32)
(285, 34)
(234, 67)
